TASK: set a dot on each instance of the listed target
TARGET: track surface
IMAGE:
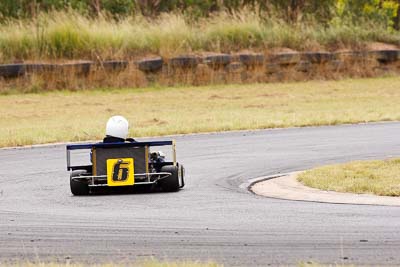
(212, 218)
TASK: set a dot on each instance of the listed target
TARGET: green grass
(372, 177)
(75, 116)
(66, 35)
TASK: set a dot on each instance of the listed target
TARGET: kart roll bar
(119, 144)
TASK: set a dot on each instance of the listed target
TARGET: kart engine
(157, 156)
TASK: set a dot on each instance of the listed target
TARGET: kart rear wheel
(78, 188)
(171, 183)
(181, 176)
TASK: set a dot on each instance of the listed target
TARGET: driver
(117, 129)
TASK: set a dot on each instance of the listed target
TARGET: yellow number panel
(120, 172)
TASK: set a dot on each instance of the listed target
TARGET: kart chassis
(148, 175)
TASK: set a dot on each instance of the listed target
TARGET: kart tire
(171, 183)
(181, 176)
(78, 188)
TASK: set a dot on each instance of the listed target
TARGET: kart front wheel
(78, 188)
(170, 183)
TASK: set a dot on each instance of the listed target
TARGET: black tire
(12, 70)
(150, 65)
(171, 183)
(181, 175)
(78, 188)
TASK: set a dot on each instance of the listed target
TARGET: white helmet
(117, 126)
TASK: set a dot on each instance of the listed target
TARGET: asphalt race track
(213, 218)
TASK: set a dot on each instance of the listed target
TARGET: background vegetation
(290, 10)
(101, 29)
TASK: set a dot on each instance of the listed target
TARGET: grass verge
(75, 116)
(379, 177)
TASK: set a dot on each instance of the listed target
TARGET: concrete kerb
(250, 183)
(286, 187)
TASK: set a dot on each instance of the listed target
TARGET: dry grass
(76, 116)
(72, 79)
(70, 35)
(372, 177)
(132, 77)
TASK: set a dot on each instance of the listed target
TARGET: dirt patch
(225, 97)
(154, 121)
(272, 95)
(282, 50)
(381, 46)
(215, 97)
(256, 106)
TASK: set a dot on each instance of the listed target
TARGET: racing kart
(124, 165)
